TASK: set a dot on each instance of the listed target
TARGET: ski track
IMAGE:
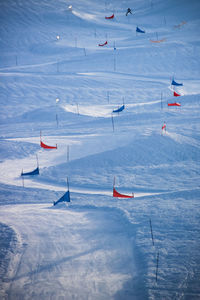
(46, 265)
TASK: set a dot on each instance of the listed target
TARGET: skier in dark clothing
(128, 11)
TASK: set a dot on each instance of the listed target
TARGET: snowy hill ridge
(57, 82)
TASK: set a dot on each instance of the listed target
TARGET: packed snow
(59, 86)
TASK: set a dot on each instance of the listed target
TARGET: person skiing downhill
(128, 12)
(164, 128)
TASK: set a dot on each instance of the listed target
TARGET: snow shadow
(54, 264)
(7, 243)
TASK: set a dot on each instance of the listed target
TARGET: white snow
(55, 79)
(57, 262)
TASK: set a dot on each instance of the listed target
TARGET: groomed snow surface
(55, 81)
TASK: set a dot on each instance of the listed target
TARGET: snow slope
(66, 88)
(50, 268)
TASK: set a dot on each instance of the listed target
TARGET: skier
(128, 12)
(164, 128)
